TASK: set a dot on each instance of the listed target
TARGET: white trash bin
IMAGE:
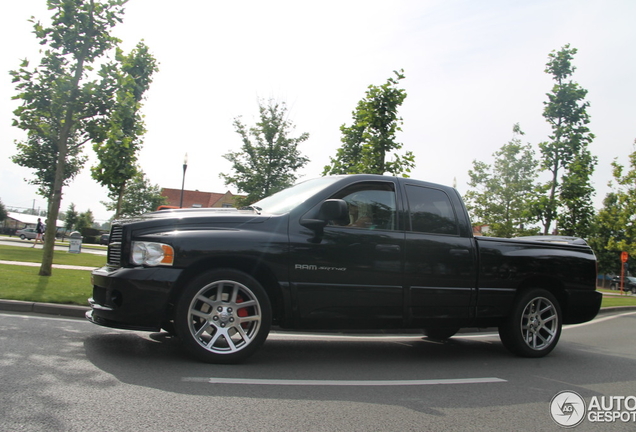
(75, 242)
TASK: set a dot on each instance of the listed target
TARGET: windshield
(287, 199)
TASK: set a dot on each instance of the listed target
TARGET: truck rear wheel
(534, 325)
(223, 316)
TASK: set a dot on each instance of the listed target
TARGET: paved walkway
(58, 266)
(617, 293)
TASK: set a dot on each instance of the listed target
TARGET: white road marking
(599, 320)
(341, 383)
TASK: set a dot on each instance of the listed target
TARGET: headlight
(152, 254)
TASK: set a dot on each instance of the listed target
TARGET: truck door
(351, 275)
(440, 265)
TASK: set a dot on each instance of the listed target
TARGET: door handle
(387, 248)
(459, 252)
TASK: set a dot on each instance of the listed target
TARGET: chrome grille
(114, 245)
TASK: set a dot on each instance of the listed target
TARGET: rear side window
(431, 211)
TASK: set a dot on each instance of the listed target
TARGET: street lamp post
(185, 167)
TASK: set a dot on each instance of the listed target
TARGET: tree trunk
(54, 210)
(549, 217)
(120, 200)
(62, 146)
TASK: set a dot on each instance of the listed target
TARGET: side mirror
(330, 210)
(334, 210)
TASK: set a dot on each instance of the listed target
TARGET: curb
(73, 311)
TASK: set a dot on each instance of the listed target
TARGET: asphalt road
(69, 375)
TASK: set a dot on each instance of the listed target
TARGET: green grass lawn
(617, 300)
(18, 253)
(625, 301)
(64, 286)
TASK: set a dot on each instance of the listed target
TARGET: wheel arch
(551, 284)
(253, 267)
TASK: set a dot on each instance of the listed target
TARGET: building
(198, 199)
(16, 221)
(480, 230)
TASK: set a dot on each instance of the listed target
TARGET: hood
(197, 216)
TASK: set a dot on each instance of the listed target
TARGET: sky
(473, 69)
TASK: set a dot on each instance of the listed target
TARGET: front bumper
(132, 298)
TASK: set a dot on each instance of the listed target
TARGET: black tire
(534, 326)
(22, 236)
(440, 333)
(223, 316)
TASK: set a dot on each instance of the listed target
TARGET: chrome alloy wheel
(539, 323)
(224, 317)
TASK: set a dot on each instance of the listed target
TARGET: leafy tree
(3, 212)
(117, 151)
(85, 220)
(70, 217)
(269, 157)
(565, 156)
(621, 218)
(614, 228)
(500, 192)
(41, 154)
(607, 232)
(140, 196)
(370, 139)
(64, 101)
(577, 210)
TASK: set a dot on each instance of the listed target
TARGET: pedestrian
(39, 229)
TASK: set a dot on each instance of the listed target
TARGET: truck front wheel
(534, 325)
(223, 316)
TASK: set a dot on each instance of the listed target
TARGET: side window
(371, 205)
(431, 211)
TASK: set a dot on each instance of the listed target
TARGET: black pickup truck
(339, 253)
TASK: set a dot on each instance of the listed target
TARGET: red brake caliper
(241, 312)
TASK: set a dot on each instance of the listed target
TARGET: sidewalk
(58, 266)
(62, 243)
